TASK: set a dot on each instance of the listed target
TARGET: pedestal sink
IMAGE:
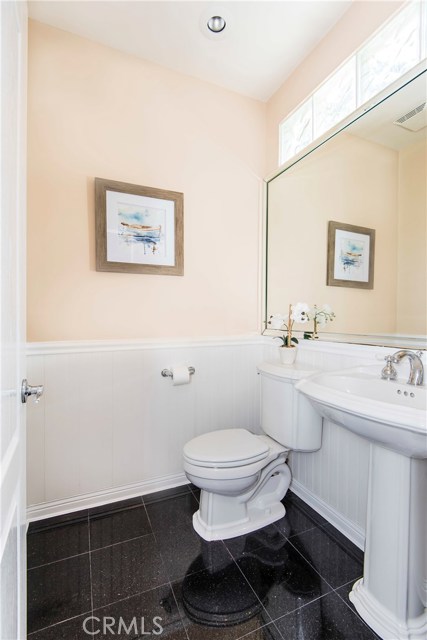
(392, 595)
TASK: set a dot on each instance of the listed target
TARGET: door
(13, 56)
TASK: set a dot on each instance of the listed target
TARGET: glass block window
(395, 49)
(298, 130)
(335, 99)
(391, 53)
(423, 29)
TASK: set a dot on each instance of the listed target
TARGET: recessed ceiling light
(216, 24)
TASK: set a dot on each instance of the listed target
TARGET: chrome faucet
(416, 374)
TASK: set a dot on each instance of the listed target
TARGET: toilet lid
(226, 448)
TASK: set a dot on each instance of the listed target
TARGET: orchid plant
(298, 313)
(320, 317)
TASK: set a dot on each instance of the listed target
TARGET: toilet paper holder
(167, 373)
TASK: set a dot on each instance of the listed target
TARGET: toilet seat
(226, 449)
(243, 478)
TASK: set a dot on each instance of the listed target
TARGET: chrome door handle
(27, 390)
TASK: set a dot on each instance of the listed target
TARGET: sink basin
(389, 413)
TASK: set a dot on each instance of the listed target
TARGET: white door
(13, 56)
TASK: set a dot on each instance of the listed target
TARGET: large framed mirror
(372, 173)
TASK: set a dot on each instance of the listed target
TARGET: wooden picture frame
(351, 255)
(138, 229)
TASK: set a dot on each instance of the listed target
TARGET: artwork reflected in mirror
(351, 256)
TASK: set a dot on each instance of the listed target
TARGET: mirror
(371, 174)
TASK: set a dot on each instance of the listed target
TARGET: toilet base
(221, 517)
(257, 519)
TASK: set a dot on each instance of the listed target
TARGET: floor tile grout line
(313, 517)
(307, 604)
(46, 564)
(159, 548)
(56, 624)
(278, 630)
(54, 527)
(90, 566)
(93, 516)
(108, 514)
(183, 494)
(273, 620)
(267, 624)
(179, 612)
(107, 546)
(133, 595)
(149, 520)
(194, 495)
(312, 566)
(345, 544)
(115, 544)
(250, 586)
(353, 611)
(297, 533)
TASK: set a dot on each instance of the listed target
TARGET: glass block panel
(296, 132)
(423, 30)
(391, 53)
(336, 98)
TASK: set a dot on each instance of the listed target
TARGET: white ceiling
(263, 42)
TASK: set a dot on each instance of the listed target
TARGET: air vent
(415, 119)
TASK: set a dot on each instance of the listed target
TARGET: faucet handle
(389, 372)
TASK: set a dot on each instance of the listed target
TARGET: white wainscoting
(110, 427)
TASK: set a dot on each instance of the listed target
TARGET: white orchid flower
(300, 313)
(326, 309)
(276, 321)
(321, 319)
(322, 315)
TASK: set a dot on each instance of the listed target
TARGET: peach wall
(412, 246)
(357, 24)
(349, 180)
(94, 111)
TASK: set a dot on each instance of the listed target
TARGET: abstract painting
(351, 251)
(138, 229)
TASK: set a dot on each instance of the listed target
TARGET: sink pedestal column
(391, 596)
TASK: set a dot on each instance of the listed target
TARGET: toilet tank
(286, 415)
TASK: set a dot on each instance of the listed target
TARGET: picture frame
(351, 256)
(138, 229)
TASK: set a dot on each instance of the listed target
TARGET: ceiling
(377, 125)
(263, 42)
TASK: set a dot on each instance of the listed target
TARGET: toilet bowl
(242, 476)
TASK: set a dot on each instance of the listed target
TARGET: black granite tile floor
(137, 568)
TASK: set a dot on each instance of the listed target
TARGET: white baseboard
(348, 528)
(98, 498)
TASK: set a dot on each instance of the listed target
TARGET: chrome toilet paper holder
(167, 373)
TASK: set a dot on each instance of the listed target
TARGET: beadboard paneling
(108, 419)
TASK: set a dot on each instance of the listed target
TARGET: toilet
(243, 477)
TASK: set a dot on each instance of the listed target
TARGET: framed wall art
(138, 229)
(351, 253)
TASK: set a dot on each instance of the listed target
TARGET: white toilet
(243, 477)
